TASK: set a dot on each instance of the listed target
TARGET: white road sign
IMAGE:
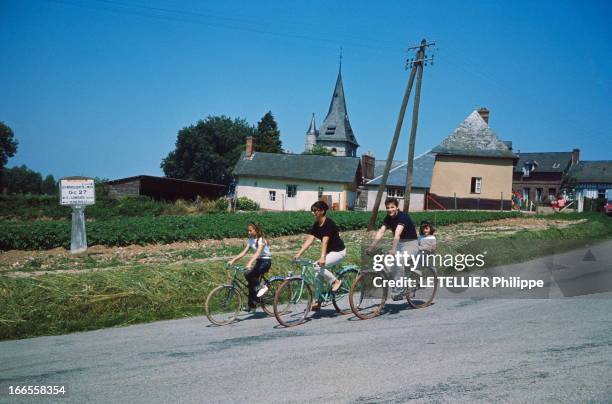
(77, 192)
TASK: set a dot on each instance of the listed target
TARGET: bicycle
(368, 295)
(293, 298)
(224, 302)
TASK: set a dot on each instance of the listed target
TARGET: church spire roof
(336, 126)
(312, 129)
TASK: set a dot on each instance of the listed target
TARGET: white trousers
(332, 258)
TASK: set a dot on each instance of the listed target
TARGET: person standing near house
(404, 238)
(333, 250)
(260, 261)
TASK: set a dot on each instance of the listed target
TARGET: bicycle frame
(308, 276)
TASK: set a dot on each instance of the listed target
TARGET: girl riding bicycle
(260, 261)
(333, 250)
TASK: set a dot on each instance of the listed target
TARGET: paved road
(468, 350)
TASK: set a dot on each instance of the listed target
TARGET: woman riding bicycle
(260, 261)
(333, 250)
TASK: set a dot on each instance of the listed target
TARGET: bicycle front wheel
(366, 300)
(292, 302)
(340, 298)
(223, 304)
(423, 294)
(267, 300)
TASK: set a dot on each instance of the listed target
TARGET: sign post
(77, 192)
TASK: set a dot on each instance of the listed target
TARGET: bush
(244, 203)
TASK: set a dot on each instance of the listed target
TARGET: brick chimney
(367, 164)
(249, 147)
(575, 156)
(484, 114)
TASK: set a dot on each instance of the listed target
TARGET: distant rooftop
(545, 161)
(308, 167)
(421, 177)
(473, 137)
(592, 172)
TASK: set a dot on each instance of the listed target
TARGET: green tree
(8, 144)
(49, 186)
(320, 150)
(22, 180)
(267, 136)
(208, 150)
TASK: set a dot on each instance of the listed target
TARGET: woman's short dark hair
(424, 224)
(320, 205)
(391, 200)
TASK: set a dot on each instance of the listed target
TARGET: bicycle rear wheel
(366, 300)
(223, 304)
(292, 302)
(340, 299)
(267, 300)
(423, 294)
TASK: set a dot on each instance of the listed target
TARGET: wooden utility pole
(398, 128)
(420, 62)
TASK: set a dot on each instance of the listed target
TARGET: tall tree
(8, 144)
(267, 136)
(49, 185)
(208, 150)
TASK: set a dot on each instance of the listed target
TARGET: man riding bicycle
(404, 239)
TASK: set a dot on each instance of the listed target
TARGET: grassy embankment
(61, 303)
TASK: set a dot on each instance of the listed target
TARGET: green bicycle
(224, 302)
(293, 298)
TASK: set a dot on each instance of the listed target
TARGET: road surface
(467, 350)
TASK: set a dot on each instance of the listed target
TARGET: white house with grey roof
(296, 181)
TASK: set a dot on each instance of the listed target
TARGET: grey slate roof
(548, 162)
(379, 166)
(308, 167)
(336, 126)
(598, 171)
(421, 176)
(473, 137)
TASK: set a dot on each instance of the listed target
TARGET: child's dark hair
(391, 200)
(258, 230)
(424, 224)
(320, 205)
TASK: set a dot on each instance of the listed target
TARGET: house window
(320, 192)
(395, 192)
(539, 192)
(291, 190)
(272, 195)
(526, 194)
(330, 130)
(552, 192)
(475, 185)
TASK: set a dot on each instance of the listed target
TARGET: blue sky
(101, 87)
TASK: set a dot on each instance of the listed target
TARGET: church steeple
(336, 132)
(311, 135)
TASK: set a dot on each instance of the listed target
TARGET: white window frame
(477, 185)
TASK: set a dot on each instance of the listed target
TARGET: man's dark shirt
(329, 229)
(409, 232)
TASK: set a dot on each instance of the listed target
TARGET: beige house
(473, 169)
